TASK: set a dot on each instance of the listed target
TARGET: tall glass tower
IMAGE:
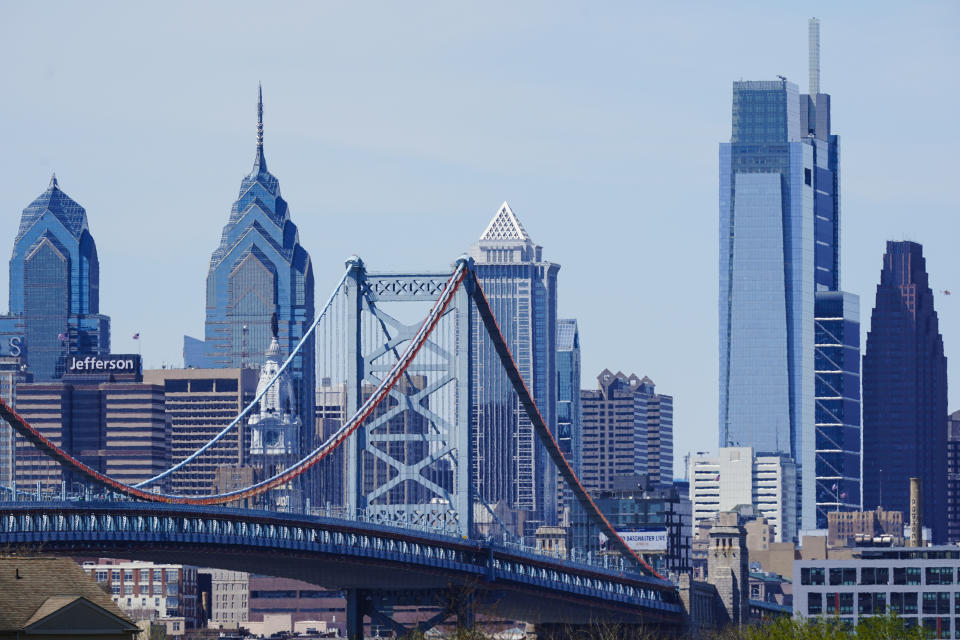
(55, 286)
(259, 269)
(779, 264)
(512, 467)
(569, 412)
(905, 392)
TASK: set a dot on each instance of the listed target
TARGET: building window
(939, 575)
(128, 591)
(814, 604)
(811, 576)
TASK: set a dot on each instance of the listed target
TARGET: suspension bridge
(400, 348)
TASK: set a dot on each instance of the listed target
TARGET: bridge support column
(356, 608)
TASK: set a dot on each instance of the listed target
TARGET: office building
(113, 422)
(301, 600)
(229, 604)
(837, 370)
(918, 584)
(259, 271)
(199, 403)
(511, 466)
(569, 412)
(331, 408)
(627, 431)
(905, 392)
(653, 519)
(779, 244)
(54, 287)
(953, 478)
(856, 528)
(738, 476)
(12, 373)
(654, 412)
(150, 591)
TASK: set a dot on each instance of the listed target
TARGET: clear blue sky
(396, 130)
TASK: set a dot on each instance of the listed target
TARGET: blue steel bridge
(406, 533)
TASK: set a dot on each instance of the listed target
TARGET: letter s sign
(15, 350)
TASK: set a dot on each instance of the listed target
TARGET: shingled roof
(34, 588)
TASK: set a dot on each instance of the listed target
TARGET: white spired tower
(275, 430)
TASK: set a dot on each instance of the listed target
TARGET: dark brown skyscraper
(905, 392)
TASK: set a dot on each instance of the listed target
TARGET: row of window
(878, 575)
(902, 603)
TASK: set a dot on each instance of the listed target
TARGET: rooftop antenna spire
(814, 46)
(259, 163)
(259, 116)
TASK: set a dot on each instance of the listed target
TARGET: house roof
(33, 588)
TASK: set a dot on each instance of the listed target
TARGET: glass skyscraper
(259, 269)
(511, 466)
(837, 368)
(905, 392)
(569, 414)
(779, 245)
(55, 286)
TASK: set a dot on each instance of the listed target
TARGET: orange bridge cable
(22, 427)
(540, 426)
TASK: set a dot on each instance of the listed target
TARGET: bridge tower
(411, 462)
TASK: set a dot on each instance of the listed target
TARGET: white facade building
(737, 476)
(230, 593)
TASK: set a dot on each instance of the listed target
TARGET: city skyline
(548, 182)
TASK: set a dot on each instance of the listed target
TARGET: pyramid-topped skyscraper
(258, 270)
(512, 467)
(55, 286)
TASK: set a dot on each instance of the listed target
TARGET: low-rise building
(850, 528)
(919, 584)
(148, 591)
(229, 601)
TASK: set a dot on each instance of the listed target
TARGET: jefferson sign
(103, 364)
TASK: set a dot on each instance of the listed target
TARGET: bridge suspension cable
(543, 432)
(366, 409)
(292, 472)
(283, 367)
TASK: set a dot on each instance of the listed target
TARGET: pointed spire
(53, 181)
(259, 116)
(259, 162)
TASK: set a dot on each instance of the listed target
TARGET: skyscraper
(511, 465)
(837, 370)
(905, 392)
(653, 414)
(55, 286)
(259, 269)
(569, 413)
(953, 478)
(779, 246)
(627, 432)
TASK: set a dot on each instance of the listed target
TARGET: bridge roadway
(343, 554)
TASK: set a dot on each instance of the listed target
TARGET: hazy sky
(397, 129)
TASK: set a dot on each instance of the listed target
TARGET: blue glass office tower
(767, 279)
(511, 466)
(55, 286)
(259, 269)
(905, 392)
(779, 246)
(569, 413)
(837, 370)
